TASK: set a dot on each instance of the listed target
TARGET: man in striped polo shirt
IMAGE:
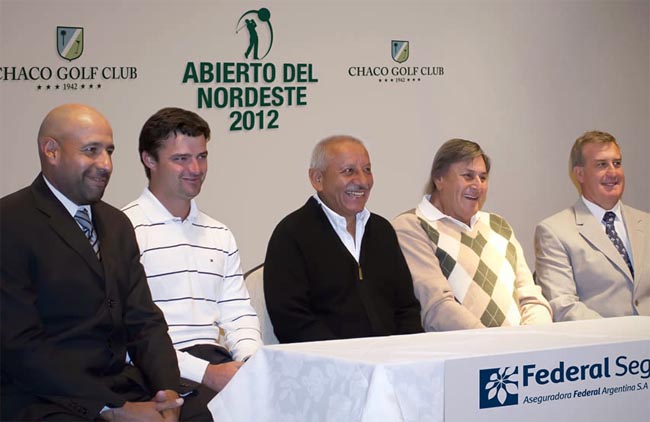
(191, 260)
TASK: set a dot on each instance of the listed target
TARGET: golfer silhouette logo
(69, 42)
(252, 20)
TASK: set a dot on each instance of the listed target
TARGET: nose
(194, 166)
(476, 180)
(364, 179)
(104, 161)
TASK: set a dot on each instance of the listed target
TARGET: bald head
(75, 143)
(67, 120)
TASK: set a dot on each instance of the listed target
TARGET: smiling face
(461, 191)
(344, 184)
(179, 171)
(75, 145)
(601, 178)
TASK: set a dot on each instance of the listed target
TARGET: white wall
(522, 78)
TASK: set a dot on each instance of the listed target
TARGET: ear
(316, 179)
(437, 182)
(149, 160)
(579, 173)
(50, 149)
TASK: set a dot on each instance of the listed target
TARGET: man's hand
(164, 407)
(168, 405)
(217, 376)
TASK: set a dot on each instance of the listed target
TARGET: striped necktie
(608, 219)
(83, 219)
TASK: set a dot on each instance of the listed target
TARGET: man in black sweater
(334, 270)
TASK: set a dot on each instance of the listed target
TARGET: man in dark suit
(74, 297)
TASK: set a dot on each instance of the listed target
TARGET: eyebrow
(187, 154)
(97, 144)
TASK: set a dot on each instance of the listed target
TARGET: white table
(437, 377)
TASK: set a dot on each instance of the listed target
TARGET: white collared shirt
(70, 206)
(340, 226)
(430, 212)
(619, 225)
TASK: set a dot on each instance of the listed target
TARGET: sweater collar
(431, 213)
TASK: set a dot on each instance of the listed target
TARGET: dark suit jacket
(316, 290)
(69, 319)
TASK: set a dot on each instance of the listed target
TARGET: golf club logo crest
(399, 50)
(69, 42)
(254, 21)
(497, 387)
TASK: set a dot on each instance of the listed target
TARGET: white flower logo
(500, 384)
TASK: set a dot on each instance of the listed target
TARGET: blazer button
(636, 302)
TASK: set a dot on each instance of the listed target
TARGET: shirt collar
(156, 211)
(338, 221)
(431, 213)
(70, 206)
(599, 212)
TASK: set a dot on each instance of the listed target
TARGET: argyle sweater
(469, 278)
(480, 267)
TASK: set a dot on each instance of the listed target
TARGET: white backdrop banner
(522, 78)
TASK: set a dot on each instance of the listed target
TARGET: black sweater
(315, 290)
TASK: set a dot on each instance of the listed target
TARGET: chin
(470, 213)
(91, 197)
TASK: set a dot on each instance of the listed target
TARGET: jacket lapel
(63, 224)
(105, 242)
(594, 233)
(637, 232)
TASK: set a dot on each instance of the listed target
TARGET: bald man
(333, 269)
(74, 297)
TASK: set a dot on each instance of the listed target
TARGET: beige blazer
(581, 272)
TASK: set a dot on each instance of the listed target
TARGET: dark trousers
(16, 406)
(196, 405)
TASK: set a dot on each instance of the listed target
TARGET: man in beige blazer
(582, 271)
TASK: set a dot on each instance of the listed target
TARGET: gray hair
(319, 154)
(451, 152)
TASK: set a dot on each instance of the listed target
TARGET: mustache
(99, 174)
(358, 187)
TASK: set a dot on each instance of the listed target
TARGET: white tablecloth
(398, 378)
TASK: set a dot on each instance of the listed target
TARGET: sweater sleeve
(407, 307)
(534, 308)
(286, 289)
(440, 310)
